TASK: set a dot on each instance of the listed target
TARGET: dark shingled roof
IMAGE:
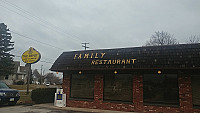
(182, 56)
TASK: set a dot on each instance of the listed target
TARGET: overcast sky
(55, 26)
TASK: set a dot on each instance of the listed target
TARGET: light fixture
(159, 72)
(80, 72)
(115, 72)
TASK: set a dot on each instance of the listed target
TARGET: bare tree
(52, 78)
(161, 38)
(193, 39)
(36, 73)
(38, 77)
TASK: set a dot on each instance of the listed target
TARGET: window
(118, 87)
(161, 89)
(82, 86)
(195, 90)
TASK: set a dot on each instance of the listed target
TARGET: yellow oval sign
(31, 56)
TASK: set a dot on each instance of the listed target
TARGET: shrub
(43, 95)
(20, 83)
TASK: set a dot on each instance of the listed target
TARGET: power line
(50, 25)
(46, 62)
(35, 40)
(40, 60)
(43, 24)
(42, 57)
(16, 53)
(58, 29)
(33, 16)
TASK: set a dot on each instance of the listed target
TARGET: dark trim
(70, 86)
(196, 106)
(117, 101)
(161, 104)
(192, 70)
(136, 71)
(81, 99)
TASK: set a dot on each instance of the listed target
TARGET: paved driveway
(49, 108)
(33, 109)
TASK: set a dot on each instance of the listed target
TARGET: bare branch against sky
(161, 38)
(193, 39)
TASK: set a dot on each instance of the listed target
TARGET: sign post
(29, 57)
(28, 78)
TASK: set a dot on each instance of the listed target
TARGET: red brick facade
(185, 97)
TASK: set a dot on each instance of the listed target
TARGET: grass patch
(23, 87)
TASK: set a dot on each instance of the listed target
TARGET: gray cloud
(103, 23)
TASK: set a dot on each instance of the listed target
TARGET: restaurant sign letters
(99, 59)
(31, 56)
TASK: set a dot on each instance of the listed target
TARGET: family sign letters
(99, 59)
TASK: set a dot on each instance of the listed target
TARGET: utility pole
(41, 76)
(85, 45)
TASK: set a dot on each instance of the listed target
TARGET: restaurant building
(142, 79)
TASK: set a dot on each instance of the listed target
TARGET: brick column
(138, 92)
(66, 85)
(185, 93)
(98, 90)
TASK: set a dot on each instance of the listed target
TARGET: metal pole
(28, 78)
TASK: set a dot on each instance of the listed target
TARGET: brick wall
(185, 97)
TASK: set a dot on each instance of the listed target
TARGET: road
(24, 90)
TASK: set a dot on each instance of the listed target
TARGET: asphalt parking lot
(34, 109)
(50, 108)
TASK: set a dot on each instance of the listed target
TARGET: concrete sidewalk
(50, 105)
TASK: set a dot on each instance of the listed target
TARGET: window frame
(79, 98)
(116, 101)
(161, 103)
(194, 105)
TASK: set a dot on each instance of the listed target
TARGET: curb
(88, 110)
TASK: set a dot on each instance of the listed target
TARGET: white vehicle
(47, 84)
